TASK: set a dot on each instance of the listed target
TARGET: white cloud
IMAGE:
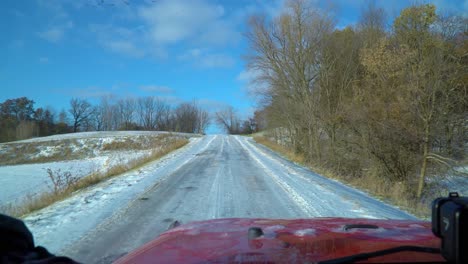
(206, 59)
(211, 105)
(55, 8)
(17, 13)
(55, 33)
(217, 61)
(59, 20)
(465, 8)
(247, 75)
(90, 92)
(173, 21)
(52, 34)
(190, 54)
(121, 40)
(123, 46)
(253, 84)
(17, 43)
(452, 7)
(272, 8)
(161, 28)
(171, 99)
(44, 60)
(157, 89)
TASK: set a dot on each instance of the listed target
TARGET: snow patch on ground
(99, 134)
(21, 182)
(455, 180)
(47, 151)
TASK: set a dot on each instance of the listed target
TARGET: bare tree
(146, 111)
(97, 118)
(286, 52)
(152, 111)
(26, 129)
(372, 23)
(163, 115)
(186, 116)
(126, 109)
(80, 110)
(228, 120)
(203, 121)
(166, 118)
(62, 117)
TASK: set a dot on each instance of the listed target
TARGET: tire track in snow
(296, 197)
(330, 198)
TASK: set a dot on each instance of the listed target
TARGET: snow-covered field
(99, 135)
(80, 154)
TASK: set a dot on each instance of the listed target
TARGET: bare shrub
(61, 181)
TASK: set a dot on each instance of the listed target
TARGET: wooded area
(19, 119)
(228, 120)
(390, 101)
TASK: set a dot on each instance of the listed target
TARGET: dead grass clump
(125, 144)
(64, 154)
(61, 180)
(27, 153)
(138, 143)
(291, 155)
(31, 204)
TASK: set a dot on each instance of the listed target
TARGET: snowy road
(213, 177)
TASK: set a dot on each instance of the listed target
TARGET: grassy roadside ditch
(394, 193)
(65, 184)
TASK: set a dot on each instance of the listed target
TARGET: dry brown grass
(298, 158)
(393, 192)
(125, 144)
(26, 153)
(23, 153)
(36, 203)
(31, 204)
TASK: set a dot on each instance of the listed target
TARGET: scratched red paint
(285, 241)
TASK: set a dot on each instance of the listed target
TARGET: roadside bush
(61, 180)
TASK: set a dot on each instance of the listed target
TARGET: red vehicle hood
(286, 241)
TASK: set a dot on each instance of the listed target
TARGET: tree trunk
(422, 174)
(448, 139)
(333, 140)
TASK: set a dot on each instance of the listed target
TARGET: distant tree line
(20, 120)
(144, 113)
(228, 120)
(392, 101)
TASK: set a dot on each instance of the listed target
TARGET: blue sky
(181, 50)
